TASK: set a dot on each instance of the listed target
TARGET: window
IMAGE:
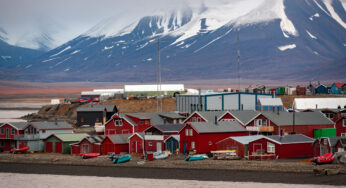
(259, 122)
(118, 122)
(192, 145)
(343, 134)
(193, 119)
(12, 131)
(270, 147)
(43, 131)
(191, 132)
(141, 122)
(150, 144)
(2, 130)
(264, 122)
(331, 116)
(210, 143)
(344, 122)
(186, 132)
(2, 143)
(147, 122)
(198, 119)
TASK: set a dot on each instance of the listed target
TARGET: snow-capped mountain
(277, 39)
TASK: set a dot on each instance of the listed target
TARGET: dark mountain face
(317, 52)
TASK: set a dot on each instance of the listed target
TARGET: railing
(153, 137)
(260, 128)
(27, 137)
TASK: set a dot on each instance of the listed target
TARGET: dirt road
(171, 173)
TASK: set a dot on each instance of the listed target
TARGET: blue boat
(122, 159)
(194, 158)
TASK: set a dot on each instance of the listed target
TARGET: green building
(60, 143)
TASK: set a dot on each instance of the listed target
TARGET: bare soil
(174, 161)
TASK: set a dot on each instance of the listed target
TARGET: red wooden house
(90, 144)
(119, 124)
(115, 144)
(325, 145)
(9, 133)
(340, 145)
(136, 143)
(202, 136)
(156, 135)
(275, 146)
(340, 126)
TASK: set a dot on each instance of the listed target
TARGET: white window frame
(343, 134)
(191, 132)
(193, 145)
(210, 143)
(186, 132)
(344, 123)
(118, 122)
(198, 119)
(270, 147)
(264, 122)
(150, 144)
(258, 122)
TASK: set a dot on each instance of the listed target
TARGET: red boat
(89, 155)
(323, 159)
(23, 149)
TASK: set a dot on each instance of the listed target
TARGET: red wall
(111, 129)
(307, 130)
(339, 127)
(230, 144)
(140, 127)
(9, 127)
(153, 148)
(7, 145)
(202, 140)
(284, 150)
(133, 141)
(107, 146)
(75, 149)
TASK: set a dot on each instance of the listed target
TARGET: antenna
(159, 100)
(238, 54)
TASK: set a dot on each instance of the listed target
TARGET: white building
(319, 103)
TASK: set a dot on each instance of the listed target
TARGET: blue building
(322, 89)
(337, 88)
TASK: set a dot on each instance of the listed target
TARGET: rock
(332, 172)
(319, 172)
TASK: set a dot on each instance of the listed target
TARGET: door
(85, 148)
(158, 146)
(7, 133)
(184, 147)
(49, 147)
(58, 147)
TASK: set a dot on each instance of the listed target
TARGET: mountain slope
(290, 40)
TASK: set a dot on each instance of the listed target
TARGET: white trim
(10, 125)
(195, 112)
(135, 134)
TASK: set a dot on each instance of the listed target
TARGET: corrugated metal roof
(322, 103)
(246, 139)
(18, 125)
(293, 138)
(71, 137)
(271, 101)
(95, 139)
(97, 108)
(301, 118)
(170, 127)
(172, 115)
(244, 115)
(120, 138)
(223, 126)
(210, 115)
(51, 125)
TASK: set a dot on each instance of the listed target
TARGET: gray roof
(170, 127)
(97, 108)
(155, 118)
(292, 138)
(223, 126)
(244, 115)
(127, 119)
(210, 115)
(95, 139)
(271, 101)
(120, 138)
(333, 140)
(51, 125)
(245, 139)
(343, 141)
(172, 115)
(18, 125)
(301, 118)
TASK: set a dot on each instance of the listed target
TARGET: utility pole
(159, 99)
(238, 54)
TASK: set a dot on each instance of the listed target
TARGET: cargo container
(328, 132)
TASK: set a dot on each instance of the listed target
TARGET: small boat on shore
(89, 155)
(323, 159)
(23, 149)
(160, 156)
(194, 158)
(121, 159)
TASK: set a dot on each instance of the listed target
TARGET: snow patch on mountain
(108, 48)
(74, 52)
(67, 48)
(287, 47)
(333, 14)
(315, 15)
(311, 36)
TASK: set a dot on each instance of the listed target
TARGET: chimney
(215, 120)
(278, 111)
(316, 106)
(281, 132)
